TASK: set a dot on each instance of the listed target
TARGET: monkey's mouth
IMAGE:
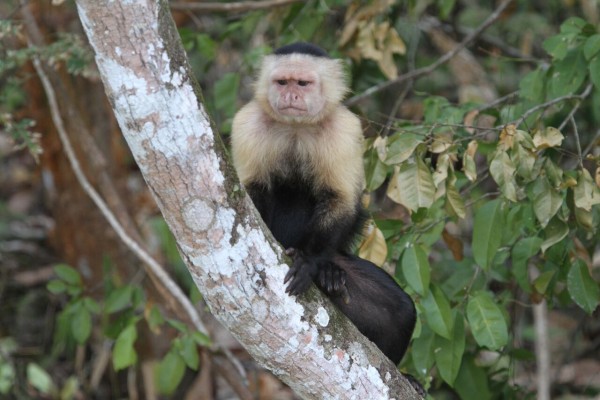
(292, 110)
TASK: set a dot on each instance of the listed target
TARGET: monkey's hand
(302, 272)
(332, 281)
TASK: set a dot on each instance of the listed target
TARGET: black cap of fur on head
(301, 48)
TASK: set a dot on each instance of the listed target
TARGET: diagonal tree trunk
(237, 267)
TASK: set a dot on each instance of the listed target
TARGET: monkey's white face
(300, 88)
(295, 93)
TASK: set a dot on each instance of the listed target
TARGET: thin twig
(431, 67)
(542, 352)
(240, 6)
(498, 101)
(577, 142)
(552, 102)
(145, 257)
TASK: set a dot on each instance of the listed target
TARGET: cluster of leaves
(123, 308)
(538, 229)
(68, 49)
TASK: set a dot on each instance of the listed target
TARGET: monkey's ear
(261, 85)
(335, 79)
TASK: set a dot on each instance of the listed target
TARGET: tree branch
(240, 6)
(442, 60)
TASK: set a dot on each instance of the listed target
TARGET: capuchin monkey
(298, 153)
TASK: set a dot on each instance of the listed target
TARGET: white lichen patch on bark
(322, 317)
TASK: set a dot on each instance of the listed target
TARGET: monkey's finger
(297, 286)
(345, 295)
(339, 282)
(290, 252)
(290, 274)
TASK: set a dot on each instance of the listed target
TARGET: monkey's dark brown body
(298, 152)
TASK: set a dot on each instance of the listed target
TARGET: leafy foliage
(495, 198)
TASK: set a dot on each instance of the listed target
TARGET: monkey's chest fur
(289, 203)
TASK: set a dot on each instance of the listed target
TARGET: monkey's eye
(303, 83)
(281, 82)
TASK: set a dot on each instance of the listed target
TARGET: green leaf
(449, 353)
(591, 46)
(546, 200)
(124, 354)
(422, 351)
(584, 290)
(486, 321)
(56, 286)
(555, 231)
(155, 319)
(225, 93)
(412, 186)
(401, 147)
(585, 219)
(118, 299)
(531, 86)
(487, 234)
(7, 376)
(180, 326)
(472, 381)
(573, 25)
(522, 251)
(68, 274)
(542, 282)
(595, 71)
(81, 324)
(567, 75)
(503, 172)
(375, 170)
(91, 305)
(169, 372)
(445, 7)
(557, 46)
(525, 162)
(206, 46)
(416, 269)
(437, 312)
(189, 352)
(201, 339)
(39, 378)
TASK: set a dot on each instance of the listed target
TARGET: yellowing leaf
(441, 170)
(546, 200)
(373, 247)
(441, 142)
(412, 186)
(380, 145)
(469, 167)
(469, 121)
(586, 193)
(549, 137)
(507, 137)
(356, 14)
(454, 202)
(503, 171)
(380, 43)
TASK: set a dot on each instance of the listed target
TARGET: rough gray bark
(237, 268)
